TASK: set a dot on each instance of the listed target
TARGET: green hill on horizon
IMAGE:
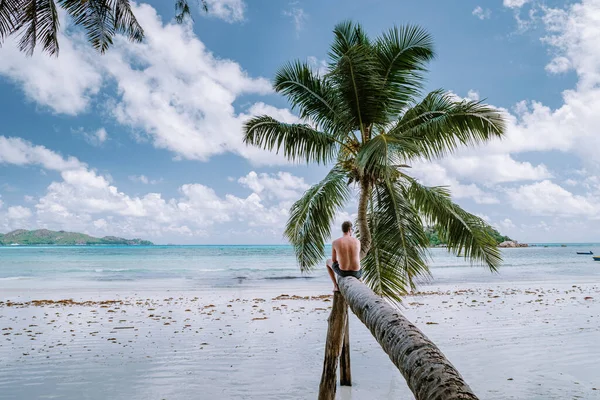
(61, 238)
(435, 240)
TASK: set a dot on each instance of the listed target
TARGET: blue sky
(145, 141)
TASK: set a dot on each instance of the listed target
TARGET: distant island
(22, 237)
(503, 241)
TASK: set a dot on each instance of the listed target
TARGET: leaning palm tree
(363, 116)
(37, 22)
(366, 117)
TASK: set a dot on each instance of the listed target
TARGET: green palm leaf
(309, 224)
(381, 156)
(39, 20)
(298, 141)
(313, 96)
(10, 15)
(399, 245)
(403, 54)
(96, 17)
(125, 20)
(440, 123)
(353, 72)
(465, 233)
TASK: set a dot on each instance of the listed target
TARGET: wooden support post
(345, 370)
(333, 347)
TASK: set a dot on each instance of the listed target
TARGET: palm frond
(96, 17)
(399, 245)
(125, 20)
(299, 142)
(183, 10)
(465, 233)
(35, 20)
(379, 158)
(313, 96)
(403, 53)
(354, 74)
(10, 17)
(309, 224)
(440, 124)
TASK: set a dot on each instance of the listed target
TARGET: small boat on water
(585, 252)
(596, 258)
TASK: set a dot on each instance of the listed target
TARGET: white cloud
(481, 13)
(571, 182)
(493, 168)
(21, 152)
(228, 10)
(87, 201)
(171, 89)
(320, 66)
(514, 3)
(144, 179)
(549, 199)
(473, 95)
(558, 65)
(95, 138)
(64, 84)
(434, 174)
(297, 15)
(18, 212)
(29, 199)
(283, 185)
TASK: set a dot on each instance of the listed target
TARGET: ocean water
(256, 266)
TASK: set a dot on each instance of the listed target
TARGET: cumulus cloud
(18, 151)
(170, 89)
(64, 84)
(95, 138)
(481, 13)
(549, 199)
(434, 174)
(18, 212)
(227, 10)
(473, 95)
(144, 179)
(282, 185)
(514, 3)
(84, 200)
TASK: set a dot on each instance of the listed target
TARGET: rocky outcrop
(512, 243)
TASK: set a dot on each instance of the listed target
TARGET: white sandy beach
(518, 341)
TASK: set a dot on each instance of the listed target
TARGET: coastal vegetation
(365, 116)
(436, 240)
(61, 238)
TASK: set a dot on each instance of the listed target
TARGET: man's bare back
(345, 256)
(346, 251)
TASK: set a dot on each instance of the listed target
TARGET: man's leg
(332, 275)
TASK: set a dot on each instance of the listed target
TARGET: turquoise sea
(249, 266)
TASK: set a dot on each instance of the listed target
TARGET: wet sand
(509, 342)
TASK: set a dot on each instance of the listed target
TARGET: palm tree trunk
(428, 373)
(363, 222)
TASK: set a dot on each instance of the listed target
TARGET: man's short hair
(346, 226)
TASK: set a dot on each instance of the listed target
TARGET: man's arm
(333, 253)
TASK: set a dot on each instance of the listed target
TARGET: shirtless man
(345, 256)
